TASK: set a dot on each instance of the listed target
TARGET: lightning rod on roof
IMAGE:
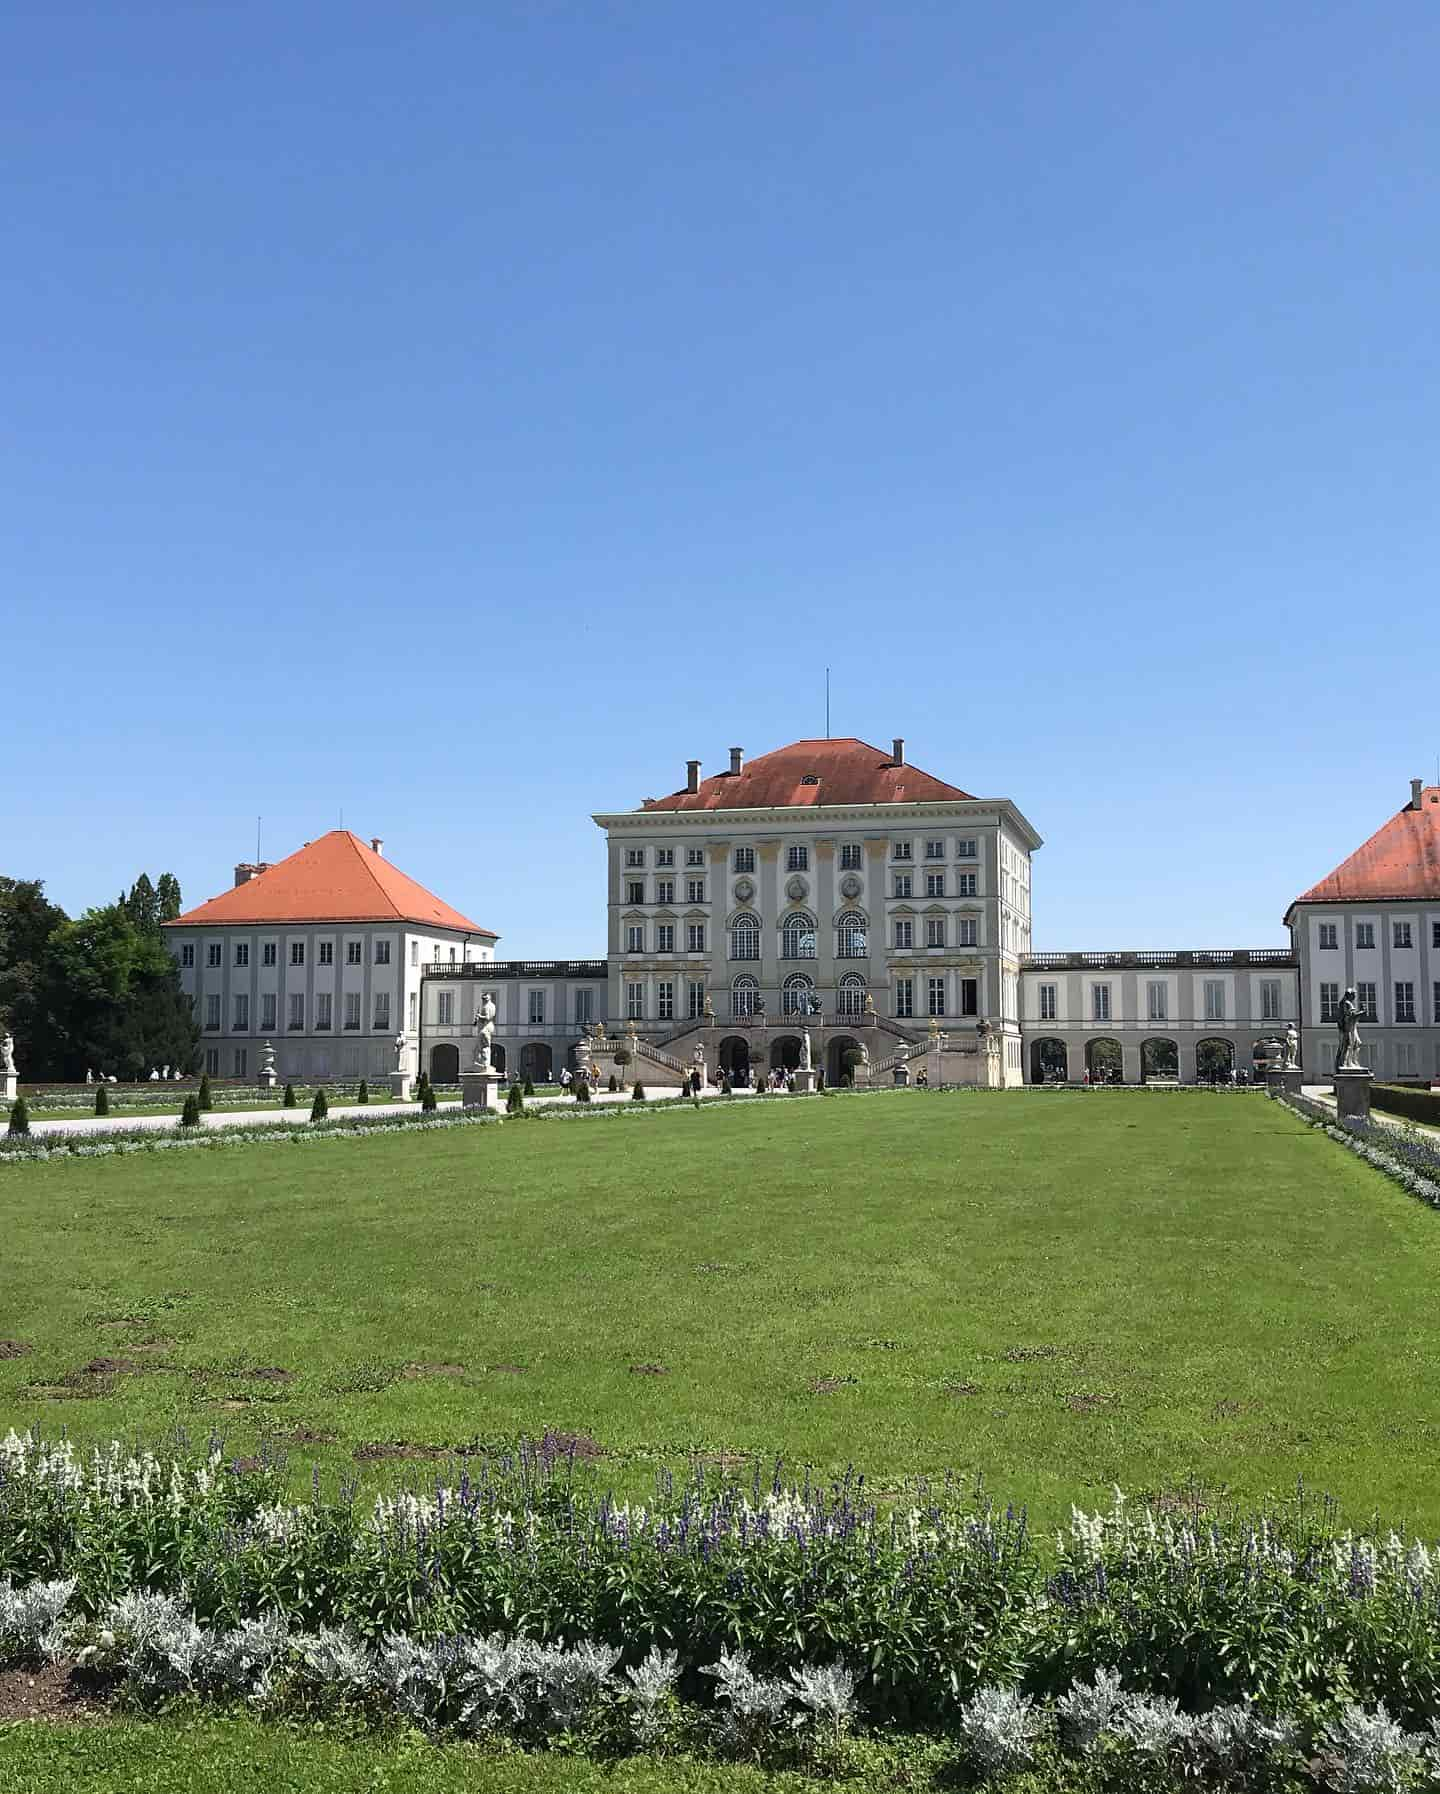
(827, 703)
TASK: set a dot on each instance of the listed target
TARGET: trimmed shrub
(19, 1117)
(206, 1100)
(427, 1100)
(320, 1108)
(289, 1096)
(637, 1095)
(1413, 1102)
(102, 1101)
(190, 1114)
(614, 1084)
(581, 1088)
(362, 1095)
(726, 1087)
(515, 1102)
(529, 1087)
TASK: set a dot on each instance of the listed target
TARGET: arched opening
(1215, 1061)
(735, 1058)
(497, 1055)
(1049, 1062)
(1104, 1061)
(1159, 1062)
(785, 1052)
(797, 936)
(796, 993)
(535, 1061)
(445, 1063)
(851, 997)
(745, 937)
(836, 1070)
(744, 996)
(852, 935)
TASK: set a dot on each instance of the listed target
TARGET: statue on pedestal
(806, 1063)
(484, 1030)
(707, 1011)
(400, 1052)
(1292, 1048)
(7, 1053)
(1347, 1021)
(701, 1070)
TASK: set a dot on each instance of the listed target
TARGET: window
(212, 1013)
(414, 953)
(267, 1012)
(635, 938)
(934, 884)
(851, 999)
(382, 1011)
(850, 856)
(744, 859)
(745, 938)
(241, 1023)
(584, 1008)
(322, 1011)
(452, 957)
(1435, 1007)
(795, 994)
(902, 884)
(966, 884)
(1329, 1002)
(1404, 1000)
(744, 993)
(241, 1062)
(296, 1018)
(664, 856)
(1435, 934)
(297, 953)
(1157, 1000)
(536, 1009)
(904, 936)
(1405, 1057)
(445, 1009)
(1365, 997)
(694, 856)
(634, 1002)
(936, 997)
(414, 1009)
(1364, 934)
(382, 953)
(326, 952)
(1100, 1002)
(1400, 934)
(212, 954)
(1328, 933)
(665, 937)
(934, 931)
(1270, 999)
(695, 937)
(352, 1011)
(934, 850)
(634, 890)
(967, 932)
(212, 1061)
(965, 850)
(665, 1000)
(904, 997)
(242, 953)
(1214, 1000)
(969, 996)
(267, 953)
(852, 936)
(797, 937)
(665, 890)
(797, 859)
(634, 856)
(695, 999)
(187, 953)
(1047, 1002)
(900, 850)
(694, 890)
(352, 953)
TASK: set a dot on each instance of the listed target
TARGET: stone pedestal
(1352, 1094)
(902, 1074)
(1284, 1080)
(806, 1077)
(268, 1080)
(481, 1090)
(400, 1086)
(9, 1085)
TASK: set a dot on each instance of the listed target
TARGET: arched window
(745, 938)
(795, 997)
(852, 936)
(852, 994)
(797, 936)
(744, 994)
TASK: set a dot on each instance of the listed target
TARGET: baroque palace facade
(827, 879)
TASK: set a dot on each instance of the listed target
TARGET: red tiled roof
(845, 771)
(335, 879)
(1399, 861)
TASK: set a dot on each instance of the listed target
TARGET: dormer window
(811, 778)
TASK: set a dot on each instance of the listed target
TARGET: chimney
(897, 750)
(692, 775)
(1416, 787)
(737, 760)
(244, 872)
(377, 845)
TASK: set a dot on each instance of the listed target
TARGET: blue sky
(462, 415)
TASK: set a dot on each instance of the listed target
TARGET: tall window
(584, 1008)
(187, 953)
(904, 935)
(936, 998)
(297, 953)
(665, 937)
(267, 1012)
(695, 999)
(382, 1011)
(664, 856)
(1100, 1002)
(537, 1008)
(902, 884)
(296, 1017)
(852, 936)
(241, 1061)
(267, 954)
(850, 856)
(634, 1002)
(934, 884)
(797, 859)
(745, 938)
(1435, 1010)
(635, 938)
(664, 890)
(695, 937)
(694, 890)
(212, 1013)
(665, 999)
(1400, 934)
(966, 885)
(212, 1061)
(744, 859)
(242, 953)
(1404, 1000)
(1435, 934)
(1327, 935)
(1270, 999)
(743, 994)
(934, 850)
(970, 996)
(900, 850)
(1214, 1000)
(445, 1011)
(1157, 997)
(965, 850)
(795, 993)
(967, 931)
(934, 931)
(797, 936)
(634, 890)
(1365, 996)
(852, 995)
(1047, 1002)
(382, 953)
(694, 856)
(325, 953)
(353, 950)
(1364, 934)
(322, 1011)
(904, 997)
(414, 953)
(352, 1011)
(634, 856)
(212, 954)
(1329, 1002)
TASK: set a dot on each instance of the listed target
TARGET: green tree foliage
(529, 1087)
(614, 1084)
(515, 1101)
(582, 1090)
(190, 1114)
(362, 1095)
(167, 894)
(320, 1108)
(289, 1096)
(19, 1117)
(428, 1099)
(637, 1095)
(207, 1098)
(31, 999)
(143, 905)
(102, 1101)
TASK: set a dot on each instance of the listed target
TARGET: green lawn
(1056, 1291)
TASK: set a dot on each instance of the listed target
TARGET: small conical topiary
(19, 1117)
(102, 1101)
(289, 1096)
(529, 1087)
(427, 1100)
(582, 1090)
(614, 1083)
(515, 1101)
(206, 1100)
(362, 1095)
(637, 1095)
(320, 1108)
(190, 1114)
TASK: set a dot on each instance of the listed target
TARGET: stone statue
(869, 1004)
(89, 1075)
(400, 1056)
(7, 1053)
(806, 1063)
(154, 1076)
(484, 1030)
(1347, 1058)
(707, 1009)
(864, 1057)
(1292, 1048)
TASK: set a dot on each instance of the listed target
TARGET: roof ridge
(359, 846)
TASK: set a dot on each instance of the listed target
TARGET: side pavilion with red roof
(321, 954)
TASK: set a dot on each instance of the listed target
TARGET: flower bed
(1411, 1159)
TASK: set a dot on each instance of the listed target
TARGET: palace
(828, 879)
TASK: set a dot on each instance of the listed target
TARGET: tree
(167, 896)
(637, 1094)
(428, 1099)
(515, 1101)
(19, 1117)
(31, 997)
(582, 1090)
(614, 1084)
(362, 1095)
(290, 1102)
(622, 1059)
(102, 1100)
(529, 1087)
(320, 1108)
(143, 905)
(207, 1100)
(852, 1059)
(190, 1114)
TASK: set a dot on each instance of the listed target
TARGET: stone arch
(785, 1051)
(1159, 1058)
(445, 1063)
(792, 989)
(744, 994)
(1214, 1059)
(1049, 1061)
(797, 935)
(734, 1056)
(1104, 1060)
(535, 1061)
(835, 1052)
(850, 995)
(497, 1055)
(745, 935)
(852, 934)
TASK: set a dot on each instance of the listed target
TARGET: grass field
(1056, 1292)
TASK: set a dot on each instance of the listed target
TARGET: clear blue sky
(463, 414)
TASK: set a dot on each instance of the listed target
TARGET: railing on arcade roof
(1145, 958)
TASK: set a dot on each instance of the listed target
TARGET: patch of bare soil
(575, 1445)
(829, 1385)
(415, 1371)
(307, 1435)
(58, 1691)
(123, 1320)
(269, 1373)
(724, 1460)
(1032, 1354)
(958, 1389)
(506, 1370)
(105, 1367)
(649, 1370)
(386, 1451)
(235, 1404)
(1086, 1401)
(14, 1348)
